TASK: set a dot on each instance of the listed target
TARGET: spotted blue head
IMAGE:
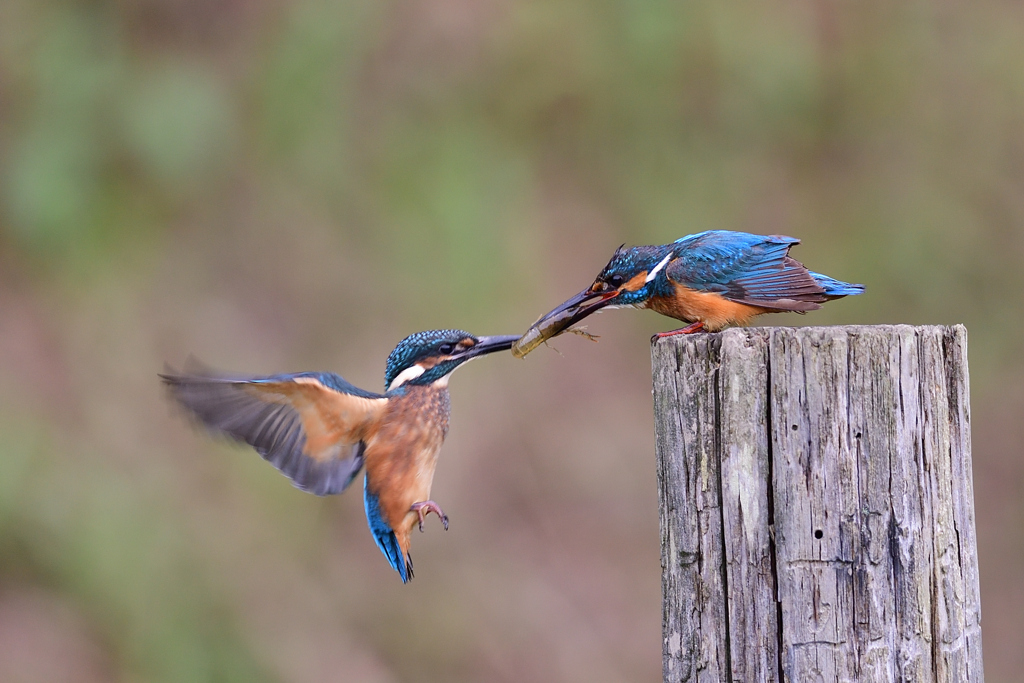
(427, 357)
(631, 277)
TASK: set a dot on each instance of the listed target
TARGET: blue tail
(384, 536)
(834, 288)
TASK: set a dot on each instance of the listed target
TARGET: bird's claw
(424, 508)
(689, 329)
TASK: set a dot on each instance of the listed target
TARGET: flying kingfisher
(712, 279)
(319, 430)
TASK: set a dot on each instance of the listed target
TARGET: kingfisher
(711, 280)
(320, 431)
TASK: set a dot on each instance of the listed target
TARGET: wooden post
(817, 509)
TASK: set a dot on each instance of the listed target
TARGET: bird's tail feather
(836, 288)
(384, 536)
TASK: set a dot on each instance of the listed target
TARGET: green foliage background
(282, 185)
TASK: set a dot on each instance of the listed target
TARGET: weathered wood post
(817, 509)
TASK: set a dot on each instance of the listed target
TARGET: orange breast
(401, 455)
(713, 309)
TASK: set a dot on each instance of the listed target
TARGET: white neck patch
(664, 262)
(411, 372)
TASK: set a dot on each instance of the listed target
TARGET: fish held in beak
(561, 319)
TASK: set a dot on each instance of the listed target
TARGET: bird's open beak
(485, 345)
(561, 318)
(576, 309)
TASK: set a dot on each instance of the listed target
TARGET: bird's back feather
(755, 270)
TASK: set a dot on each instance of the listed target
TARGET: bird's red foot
(689, 329)
(425, 508)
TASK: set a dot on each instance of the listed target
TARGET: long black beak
(485, 345)
(561, 318)
(577, 308)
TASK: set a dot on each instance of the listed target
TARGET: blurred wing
(749, 269)
(310, 426)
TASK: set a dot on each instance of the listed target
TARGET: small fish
(552, 326)
(535, 336)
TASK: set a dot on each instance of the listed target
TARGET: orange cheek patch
(636, 282)
(428, 363)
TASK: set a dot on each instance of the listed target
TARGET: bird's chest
(403, 451)
(711, 308)
(681, 303)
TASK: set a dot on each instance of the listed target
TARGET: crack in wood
(823, 477)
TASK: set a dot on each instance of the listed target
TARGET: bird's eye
(615, 281)
(446, 348)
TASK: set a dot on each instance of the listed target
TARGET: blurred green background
(282, 185)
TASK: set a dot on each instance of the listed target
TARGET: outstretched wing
(309, 425)
(749, 269)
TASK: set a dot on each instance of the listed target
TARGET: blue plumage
(836, 288)
(711, 279)
(715, 258)
(420, 345)
(742, 267)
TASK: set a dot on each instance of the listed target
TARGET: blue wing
(309, 425)
(749, 269)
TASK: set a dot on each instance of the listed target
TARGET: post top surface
(813, 331)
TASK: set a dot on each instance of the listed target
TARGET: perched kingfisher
(320, 430)
(712, 279)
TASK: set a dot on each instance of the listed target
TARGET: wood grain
(817, 508)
